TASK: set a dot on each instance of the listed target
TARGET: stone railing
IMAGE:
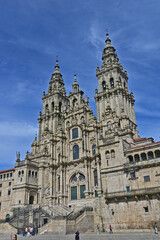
(134, 192)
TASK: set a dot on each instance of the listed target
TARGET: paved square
(116, 236)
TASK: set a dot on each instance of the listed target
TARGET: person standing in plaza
(98, 232)
(76, 235)
(110, 229)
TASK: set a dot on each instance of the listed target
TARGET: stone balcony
(135, 194)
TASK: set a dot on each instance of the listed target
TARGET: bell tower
(54, 103)
(113, 95)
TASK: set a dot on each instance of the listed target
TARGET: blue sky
(33, 32)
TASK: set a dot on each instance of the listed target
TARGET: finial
(57, 59)
(18, 156)
(107, 34)
(75, 80)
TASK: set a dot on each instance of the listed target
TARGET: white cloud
(17, 129)
(96, 40)
(147, 112)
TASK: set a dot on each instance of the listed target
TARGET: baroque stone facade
(79, 161)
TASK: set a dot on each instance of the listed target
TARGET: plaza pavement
(115, 236)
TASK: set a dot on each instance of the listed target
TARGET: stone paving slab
(115, 236)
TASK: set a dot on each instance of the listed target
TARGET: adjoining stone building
(84, 171)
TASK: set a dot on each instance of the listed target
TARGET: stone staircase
(58, 219)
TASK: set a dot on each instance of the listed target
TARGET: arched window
(59, 184)
(157, 153)
(93, 149)
(60, 106)
(32, 173)
(74, 101)
(74, 178)
(104, 85)
(81, 177)
(74, 133)
(150, 155)
(75, 152)
(31, 200)
(46, 107)
(109, 125)
(143, 156)
(107, 154)
(112, 154)
(52, 106)
(130, 158)
(7, 218)
(111, 82)
(95, 178)
(35, 174)
(19, 174)
(22, 173)
(124, 84)
(59, 158)
(29, 173)
(137, 158)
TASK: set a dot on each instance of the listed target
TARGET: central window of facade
(74, 133)
(77, 186)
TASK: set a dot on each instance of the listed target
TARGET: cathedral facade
(79, 161)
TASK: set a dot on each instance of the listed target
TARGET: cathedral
(85, 171)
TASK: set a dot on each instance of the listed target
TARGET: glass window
(75, 152)
(93, 149)
(31, 200)
(112, 82)
(9, 184)
(82, 189)
(0, 194)
(74, 133)
(59, 158)
(146, 209)
(147, 178)
(104, 85)
(9, 192)
(1, 176)
(81, 177)
(95, 178)
(10, 174)
(60, 106)
(128, 189)
(130, 159)
(7, 218)
(133, 174)
(74, 178)
(4, 175)
(96, 194)
(112, 154)
(0, 184)
(58, 184)
(73, 193)
(7, 175)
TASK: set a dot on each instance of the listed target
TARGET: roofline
(139, 147)
(7, 170)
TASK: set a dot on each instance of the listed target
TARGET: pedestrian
(110, 229)
(76, 235)
(98, 230)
